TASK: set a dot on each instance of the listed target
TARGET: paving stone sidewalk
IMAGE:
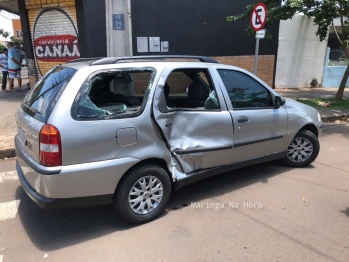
(9, 102)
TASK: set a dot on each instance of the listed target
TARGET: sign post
(258, 20)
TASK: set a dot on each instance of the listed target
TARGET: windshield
(41, 100)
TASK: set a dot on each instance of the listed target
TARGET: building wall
(333, 75)
(301, 55)
(92, 27)
(265, 65)
(199, 27)
(178, 82)
(57, 31)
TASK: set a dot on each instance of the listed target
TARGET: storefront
(51, 30)
(62, 30)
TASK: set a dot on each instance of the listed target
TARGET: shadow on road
(336, 128)
(346, 212)
(13, 96)
(227, 182)
(16, 96)
(51, 230)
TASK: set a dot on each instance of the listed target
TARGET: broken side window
(113, 94)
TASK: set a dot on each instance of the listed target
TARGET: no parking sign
(258, 17)
(258, 20)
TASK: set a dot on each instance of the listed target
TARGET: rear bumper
(51, 203)
(79, 185)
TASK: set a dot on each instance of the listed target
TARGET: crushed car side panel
(197, 139)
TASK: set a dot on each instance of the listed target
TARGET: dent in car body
(184, 130)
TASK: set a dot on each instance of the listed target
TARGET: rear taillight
(50, 146)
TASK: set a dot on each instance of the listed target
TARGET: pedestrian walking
(4, 68)
(14, 66)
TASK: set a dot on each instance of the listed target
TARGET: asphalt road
(270, 213)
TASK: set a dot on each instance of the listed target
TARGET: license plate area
(22, 135)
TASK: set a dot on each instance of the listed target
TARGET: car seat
(167, 93)
(197, 95)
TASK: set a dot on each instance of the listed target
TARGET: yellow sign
(17, 29)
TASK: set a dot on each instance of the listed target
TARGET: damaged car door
(199, 130)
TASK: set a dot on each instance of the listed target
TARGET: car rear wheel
(143, 194)
(303, 149)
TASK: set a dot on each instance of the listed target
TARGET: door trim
(203, 174)
(258, 141)
(201, 150)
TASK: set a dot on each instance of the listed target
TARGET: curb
(334, 118)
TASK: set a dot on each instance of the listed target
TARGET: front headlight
(318, 117)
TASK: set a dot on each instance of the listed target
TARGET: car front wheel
(143, 194)
(303, 149)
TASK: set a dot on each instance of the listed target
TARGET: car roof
(83, 62)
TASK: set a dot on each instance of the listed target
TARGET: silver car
(127, 131)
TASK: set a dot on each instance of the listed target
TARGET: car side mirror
(279, 101)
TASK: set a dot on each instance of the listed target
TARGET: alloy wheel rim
(299, 150)
(145, 195)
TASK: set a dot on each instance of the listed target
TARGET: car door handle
(243, 119)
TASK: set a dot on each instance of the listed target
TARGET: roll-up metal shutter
(55, 36)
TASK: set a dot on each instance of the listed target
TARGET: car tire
(143, 194)
(303, 149)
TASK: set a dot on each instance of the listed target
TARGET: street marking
(1, 257)
(8, 210)
(11, 175)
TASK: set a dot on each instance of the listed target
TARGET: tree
(15, 41)
(12, 38)
(2, 47)
(4, 33)
(323, 12)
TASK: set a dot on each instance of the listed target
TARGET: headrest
(197, 91)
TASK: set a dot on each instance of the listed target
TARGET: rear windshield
(41, 100)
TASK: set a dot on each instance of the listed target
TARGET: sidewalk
(9, 102)
(327, 115)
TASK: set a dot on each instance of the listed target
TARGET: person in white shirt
(4, 68)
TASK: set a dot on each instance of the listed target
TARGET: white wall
(6, 23)
(301, 55)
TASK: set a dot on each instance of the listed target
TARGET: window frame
(33, 112)
(208, 75)
(255, 80)
(115, 71)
